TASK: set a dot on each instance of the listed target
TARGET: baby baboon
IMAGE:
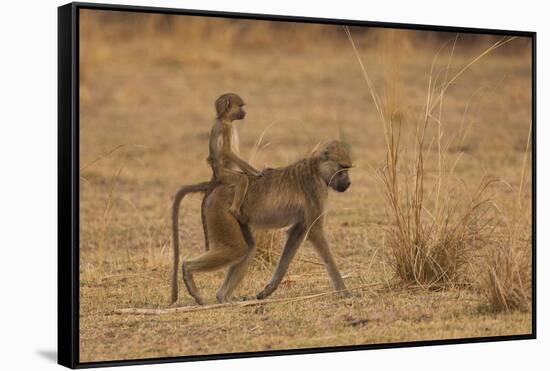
(229, 107)
(293, 196)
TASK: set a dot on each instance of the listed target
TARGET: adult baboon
(293, 196)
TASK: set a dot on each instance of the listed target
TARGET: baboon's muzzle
(342, 186)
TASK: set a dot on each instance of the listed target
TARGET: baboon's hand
(264, 293)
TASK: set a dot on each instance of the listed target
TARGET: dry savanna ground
(147, 90)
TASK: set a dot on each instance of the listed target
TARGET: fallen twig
(238, 304)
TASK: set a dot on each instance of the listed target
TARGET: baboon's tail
(182, 192)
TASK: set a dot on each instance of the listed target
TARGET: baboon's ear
(222, 105)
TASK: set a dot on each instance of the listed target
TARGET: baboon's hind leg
(211, 260)
(190, 284)
(236, 272)
(240, 186)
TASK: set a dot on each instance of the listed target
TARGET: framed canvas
(241, 185)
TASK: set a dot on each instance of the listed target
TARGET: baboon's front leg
(295, 237)
(317, 238)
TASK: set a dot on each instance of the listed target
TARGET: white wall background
(28, 165)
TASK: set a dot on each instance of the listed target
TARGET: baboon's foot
(221, 298)
(198, 299)
(242, 219)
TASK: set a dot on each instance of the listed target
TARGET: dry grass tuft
(431, 234)
(506, 282)
(506, 278)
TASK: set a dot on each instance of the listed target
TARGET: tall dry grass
(506, 277)
(432, 232)
(107, 212)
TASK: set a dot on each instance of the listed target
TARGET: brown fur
(293, 196)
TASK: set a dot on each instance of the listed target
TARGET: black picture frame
(68, 182)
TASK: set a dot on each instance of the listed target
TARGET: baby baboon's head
(334, 162)
(229, 107)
